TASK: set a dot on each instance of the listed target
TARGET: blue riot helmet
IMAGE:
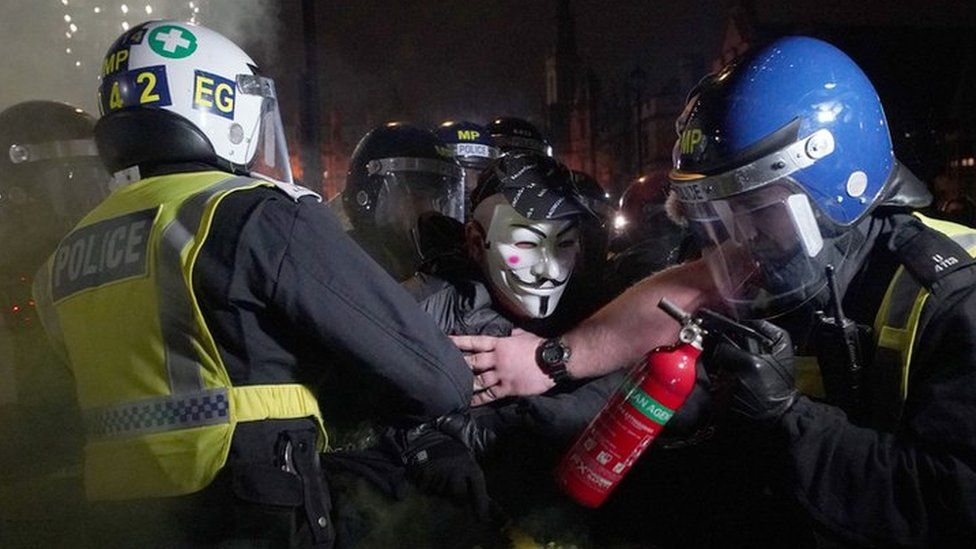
(779, 156)
(472, 147)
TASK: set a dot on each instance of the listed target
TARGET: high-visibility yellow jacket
(896, 326)
(159, 406)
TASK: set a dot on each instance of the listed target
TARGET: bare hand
(504, 366)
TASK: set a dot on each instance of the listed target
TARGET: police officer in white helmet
(201, 301)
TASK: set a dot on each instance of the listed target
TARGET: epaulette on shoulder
(928, 254)
(293, 190)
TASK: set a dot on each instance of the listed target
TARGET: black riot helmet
(50, 176)
(397, 173)
(471, 145)
(596, 230)
(598, 199)
(517, 134)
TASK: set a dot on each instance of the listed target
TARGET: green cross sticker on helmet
(172, 42)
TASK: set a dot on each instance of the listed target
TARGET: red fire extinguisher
(652, 393)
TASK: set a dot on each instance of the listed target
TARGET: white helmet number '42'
(196, 73)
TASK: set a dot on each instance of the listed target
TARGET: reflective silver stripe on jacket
(189, 404)
(175, 308)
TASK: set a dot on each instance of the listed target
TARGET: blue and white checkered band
(758, 173)
(159, 414)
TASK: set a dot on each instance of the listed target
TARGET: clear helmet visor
(412, 187)
(474, 158)
(470, 179)
(767, 248)
(64, 179)
(268, 149)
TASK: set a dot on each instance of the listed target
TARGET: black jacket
(461, 304)
(820, 475)
(913, 483)
(288, 296)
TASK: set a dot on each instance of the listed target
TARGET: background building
(622, 126)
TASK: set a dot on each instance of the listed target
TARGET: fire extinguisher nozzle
(674, 311)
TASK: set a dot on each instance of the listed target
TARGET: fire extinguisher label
(627, 425)
(647, 405)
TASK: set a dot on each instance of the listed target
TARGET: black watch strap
(552, 355)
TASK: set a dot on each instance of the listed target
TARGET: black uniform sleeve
(560, 416)
(339, 295)
(916, 486)
(289, 296)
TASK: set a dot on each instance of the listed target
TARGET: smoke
(53, 49)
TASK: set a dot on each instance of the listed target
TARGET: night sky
(431, 60)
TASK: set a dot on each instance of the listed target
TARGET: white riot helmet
(226, 114)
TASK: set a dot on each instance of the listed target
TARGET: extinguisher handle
(719, 325)
(744, 336)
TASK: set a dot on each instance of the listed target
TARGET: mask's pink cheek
(513, 260)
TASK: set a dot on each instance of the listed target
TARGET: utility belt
(276, 463)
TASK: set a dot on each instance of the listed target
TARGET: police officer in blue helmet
(864, 389)
(778, 165)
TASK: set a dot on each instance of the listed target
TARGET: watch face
(552, 353)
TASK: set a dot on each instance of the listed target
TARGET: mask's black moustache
(541, 282)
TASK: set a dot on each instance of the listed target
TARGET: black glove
(477, 437)
(764, 385)
(438, 463)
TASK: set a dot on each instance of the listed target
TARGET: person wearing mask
(523, 250)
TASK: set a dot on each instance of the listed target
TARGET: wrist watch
(552, 355)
